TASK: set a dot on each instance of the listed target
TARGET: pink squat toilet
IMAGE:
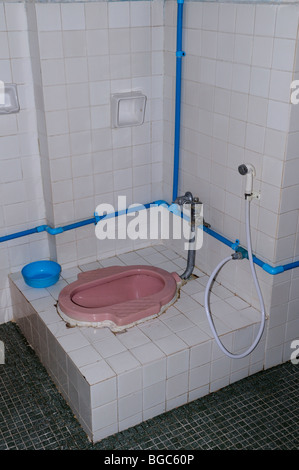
(117, 296)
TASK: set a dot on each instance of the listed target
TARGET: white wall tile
(140, 14)
(283, 54)
(287, 223)
(241, 78)
(227, 18)
(18, 44)
(16, 19)
(157, 13)
(62, 191)
(280, 85)
(50, 44)
(243, 49)
(48, 17)
(11, 170)
(96, 16)
(289, 198)
(255, 137)
(2, 18)
(278, 115)
(77, 95)
(272, 171)
(265, 17)
(119, 15)
(286, 22)
(259, 81)
(74, 43)
(290, 173)
(55, 98)
(4, 51)
(262, 51)
(98, 68)
(57, 122)
(97, 42)
(220, 73)
(245, 18)
(6, 70)
(60, 169)
(53, 72)
(210, 16)
(72, 16)
(76, 70)
(275, 142)
(257, 110)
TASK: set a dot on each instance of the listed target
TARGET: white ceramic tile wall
(240, 61)
(22, 202)
(87, 52)
(236, 107)
(284, 325)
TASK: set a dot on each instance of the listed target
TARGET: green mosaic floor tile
(259, 412)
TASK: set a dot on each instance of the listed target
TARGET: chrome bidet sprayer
(249, 171)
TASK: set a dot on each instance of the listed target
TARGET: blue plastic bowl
(41, 273)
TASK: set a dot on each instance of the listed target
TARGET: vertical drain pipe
(179, 55)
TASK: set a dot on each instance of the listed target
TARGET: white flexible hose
(258, 290)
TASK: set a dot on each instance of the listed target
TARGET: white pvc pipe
(258, 290)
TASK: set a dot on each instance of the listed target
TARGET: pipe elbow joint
(272, 270)
(41, 228)
(54, 231)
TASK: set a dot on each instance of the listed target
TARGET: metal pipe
(191, 251)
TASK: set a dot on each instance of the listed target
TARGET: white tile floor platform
(114, 381)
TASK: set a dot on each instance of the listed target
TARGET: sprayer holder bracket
(253, 195)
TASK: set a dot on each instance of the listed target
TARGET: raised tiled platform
(114, 381)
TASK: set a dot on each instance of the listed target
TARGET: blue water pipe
(236, 246)
(172, 208)
(178, 90)
(81, 223)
